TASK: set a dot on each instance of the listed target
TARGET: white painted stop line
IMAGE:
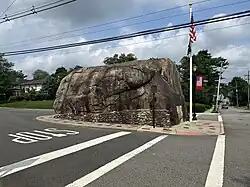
(34, 161)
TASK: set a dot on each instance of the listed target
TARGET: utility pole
(248, 77)
(218, 89)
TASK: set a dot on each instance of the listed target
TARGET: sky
(79, 21)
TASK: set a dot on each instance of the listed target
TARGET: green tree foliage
(242, 91)
(207, 66)
(52, 82)
(75, 68)
(116, 59)
(9, 78)
(225, 89)
(40, 74)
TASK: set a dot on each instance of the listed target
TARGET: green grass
(30, 104)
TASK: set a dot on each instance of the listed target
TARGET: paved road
(237, 157)
(76, 156)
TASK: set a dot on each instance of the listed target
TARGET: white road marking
(216, 170)
(24, 164)
(220, 120)
(30, 137)
(113, 164)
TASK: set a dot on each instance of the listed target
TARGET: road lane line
(85, 180)
(216, 170)
(220, 120)
(27, 163)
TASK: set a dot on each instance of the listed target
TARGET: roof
(32, 82)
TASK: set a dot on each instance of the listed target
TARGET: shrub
(199, 108)
(15, 98)
(208, 106)
(41, 96)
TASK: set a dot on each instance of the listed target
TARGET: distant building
(28, 85)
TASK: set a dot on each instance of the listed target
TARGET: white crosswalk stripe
(13, 168)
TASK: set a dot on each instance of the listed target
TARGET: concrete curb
(88, 124)
(33, 109)
(220, 120)
(145, 128)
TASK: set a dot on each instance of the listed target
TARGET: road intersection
(65, 155)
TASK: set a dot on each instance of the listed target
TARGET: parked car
(224, 106)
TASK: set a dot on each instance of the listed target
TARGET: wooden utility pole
(248, 78)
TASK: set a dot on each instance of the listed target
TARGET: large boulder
(120, 87)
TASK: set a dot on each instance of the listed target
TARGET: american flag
(192, 34)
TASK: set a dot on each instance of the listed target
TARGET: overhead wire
(137, 23)
(121, 20)
(34, 10)
(136, 34)
(8, 8)
(162, 38)
(24, 10)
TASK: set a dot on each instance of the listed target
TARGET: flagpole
(191, 74)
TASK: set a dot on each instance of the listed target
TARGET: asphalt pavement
(39, 154)
(237, 156)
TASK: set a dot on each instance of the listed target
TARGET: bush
(199, 108)
(208, 106)
(41, 96)
(15, 98)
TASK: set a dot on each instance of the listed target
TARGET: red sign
(199, 81)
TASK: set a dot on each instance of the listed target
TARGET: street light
(194, 78)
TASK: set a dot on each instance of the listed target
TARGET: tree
(75, 68)
(9, 78)
(207, 66)
(116, 59)
(60, 73)
(50, 87)
(242, 91)
(52, 82)
(40, 74)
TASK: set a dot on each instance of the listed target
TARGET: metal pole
(237, 99)
(153, 112)
(190, 75)
(248, 89)
(194, 78)
(218, 89)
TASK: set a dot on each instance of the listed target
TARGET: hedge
(29, 97)
(199, 108)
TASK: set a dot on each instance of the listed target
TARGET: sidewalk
(199, 127)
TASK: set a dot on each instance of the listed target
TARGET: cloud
(229, 43)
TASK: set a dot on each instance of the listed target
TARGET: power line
(142, 33)
(43, 5)
(35, 10)
(8, 7)
(163, 38)
(108, 29)
(125, 19)
(136, 34)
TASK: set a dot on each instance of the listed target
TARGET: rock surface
(125, 86)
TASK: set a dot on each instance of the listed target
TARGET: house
(28, 85)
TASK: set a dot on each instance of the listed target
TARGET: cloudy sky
(79, 21)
